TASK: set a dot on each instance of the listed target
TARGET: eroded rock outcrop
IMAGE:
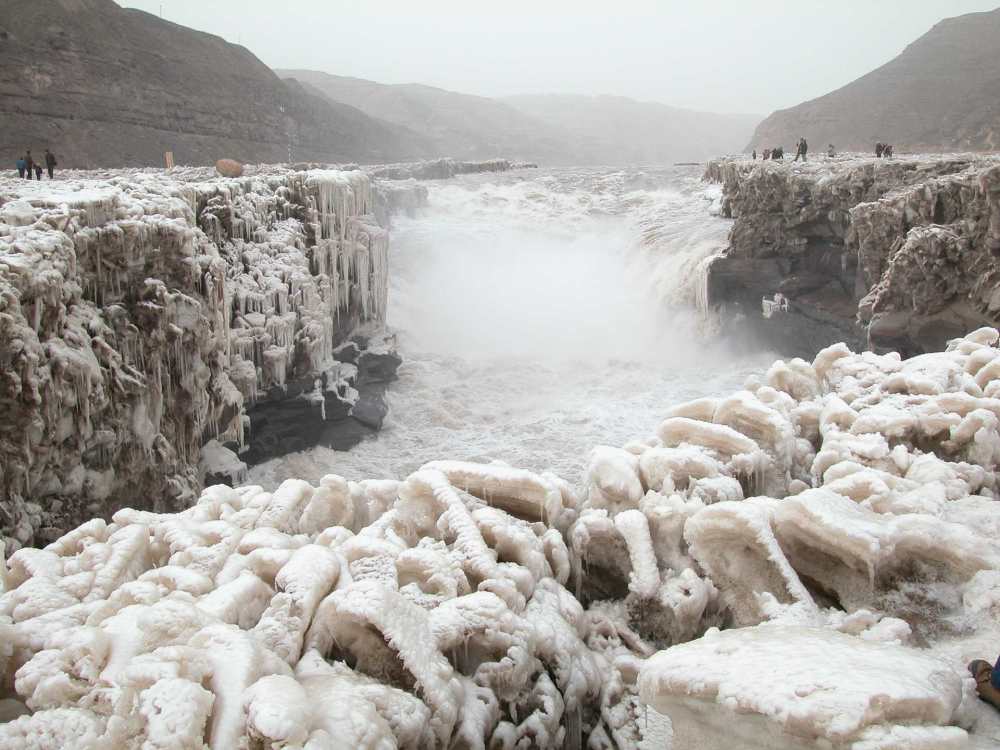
(143, 315)
(899, 254)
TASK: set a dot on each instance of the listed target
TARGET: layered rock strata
(143, 315)
(898, 254)
(835, 519)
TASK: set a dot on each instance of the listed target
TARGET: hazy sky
(749, 56)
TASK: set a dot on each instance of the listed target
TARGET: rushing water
(541, 313)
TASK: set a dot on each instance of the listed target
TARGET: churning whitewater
(541, 313)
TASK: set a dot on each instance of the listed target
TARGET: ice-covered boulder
(419, 614)
(795, 688)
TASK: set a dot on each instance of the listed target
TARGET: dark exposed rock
(896, 255)
(371, 408)
(378, 366)
(337, 410)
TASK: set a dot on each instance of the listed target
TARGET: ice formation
(144, 314)
(792, 688)
(898, 255)
(805, 563)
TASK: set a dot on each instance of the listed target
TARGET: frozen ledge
(775, 687)
(899, 254)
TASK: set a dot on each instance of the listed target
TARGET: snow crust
(799, 564)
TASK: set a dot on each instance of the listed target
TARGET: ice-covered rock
(905, 246)
(144, 314)
(795, 688)
(440, 621)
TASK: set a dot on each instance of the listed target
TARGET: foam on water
(540, 314)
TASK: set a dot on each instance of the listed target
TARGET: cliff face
(896, 254)
(103, 85)
(143, 315)
(941, 92)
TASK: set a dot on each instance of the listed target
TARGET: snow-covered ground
(796, 555)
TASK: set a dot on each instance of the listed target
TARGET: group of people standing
(778, 152)
(770, 153)
(882, 151)
(28, 168)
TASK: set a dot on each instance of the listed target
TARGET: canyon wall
(104, 85)
(894, 254)
(145, 315)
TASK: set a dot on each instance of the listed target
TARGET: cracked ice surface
(805, 563)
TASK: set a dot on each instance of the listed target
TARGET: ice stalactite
(141, 315)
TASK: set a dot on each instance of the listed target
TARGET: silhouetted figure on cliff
(50, 163)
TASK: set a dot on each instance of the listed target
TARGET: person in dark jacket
(754, 155)
(987, 679)
(22, 167)
(38, 172)
(878, 150)
(30, 164)
(887, 151)
(50, 163)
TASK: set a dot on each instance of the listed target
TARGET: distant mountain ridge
(615, 129)
(106, 86)
(463, 126)
(550, 128)
(941, 93)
